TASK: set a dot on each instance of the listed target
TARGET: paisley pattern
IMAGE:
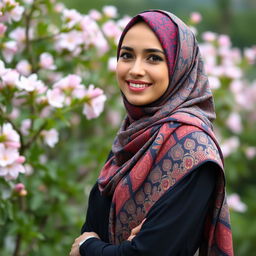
(160, 143)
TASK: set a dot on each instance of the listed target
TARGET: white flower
(110, 11)
(71, 17)
(25, 126)
(250, 152)
(10, 78)
(11, 172)
(195, 17)
(235, 203)
(112, 62)
(30, 83)
(55, 98)
(234, 122)
(51, 137)
(9, 136)
(46, 61)
(229, 146)
(209, 36)
(94, 14)
(7, 155)
(95, 106)
(10, 48)
(3, 29)
(214, 82)
(69, 41)
(24, 67)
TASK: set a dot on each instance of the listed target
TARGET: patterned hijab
(160, 143)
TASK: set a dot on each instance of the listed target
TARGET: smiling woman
(142, 70)
(161, 190)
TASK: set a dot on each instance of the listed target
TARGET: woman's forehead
(141, 35)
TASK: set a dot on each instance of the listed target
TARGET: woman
(161, 191)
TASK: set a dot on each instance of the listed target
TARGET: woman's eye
(126, 55)
(155, 58)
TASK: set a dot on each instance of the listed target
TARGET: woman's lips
(137, 86)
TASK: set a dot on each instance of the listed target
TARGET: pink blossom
(30, 83)
(112, 62)
(250, 55)
(46, 112)
(235, 203)
(209, 36)
(11, 171)
(111, 29)
(69, 41)
(14, 12)
(7, 155)
(214, 82)
(233, 72)
(195, 17)
(46, 61)
(224, 41)
(101, 44)
(110, 11)
(20, 160)
(236, 86)
(94, 14)
(59, 7)
(123, 22)
(68, 83)
(10, 78)
(9, 136)
(14, 114)
(95, 106)
(71, 17)
(18, 187)
(250, 152)
(234, 122)
(24, 67)
(25, 126)
(3, 29)
(229, 146)
(19, 36)
(10, 48)
(56, 97)
(79, 92)
(51, 137)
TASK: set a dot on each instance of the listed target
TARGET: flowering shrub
(56, 72)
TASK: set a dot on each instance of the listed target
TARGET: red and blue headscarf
(160, 143)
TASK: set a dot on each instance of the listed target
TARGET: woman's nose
(137, 68)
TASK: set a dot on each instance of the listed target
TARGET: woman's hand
(75, 246)
(135, 231)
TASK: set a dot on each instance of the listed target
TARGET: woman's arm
(174, 224)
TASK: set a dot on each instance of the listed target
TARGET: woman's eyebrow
(146, 50)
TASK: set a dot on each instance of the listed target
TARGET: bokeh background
(65, 145)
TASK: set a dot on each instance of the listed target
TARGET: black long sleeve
(173, 226)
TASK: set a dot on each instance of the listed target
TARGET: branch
(35, 40)
(28, 144)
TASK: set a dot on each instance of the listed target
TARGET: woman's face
(142, 70)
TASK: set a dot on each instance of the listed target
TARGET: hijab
(160, 143)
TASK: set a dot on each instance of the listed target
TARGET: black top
(173, 226)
